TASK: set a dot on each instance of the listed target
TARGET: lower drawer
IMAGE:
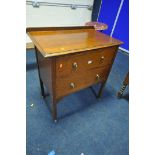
(73, 83)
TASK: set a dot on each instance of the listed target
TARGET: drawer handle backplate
(90, 62)
(102, 59)
(97, 77)
(72, 85)
(75, 65)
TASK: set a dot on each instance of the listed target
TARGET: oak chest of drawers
(72, 58)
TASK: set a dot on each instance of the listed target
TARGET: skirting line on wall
(29, 45)
(124, 50)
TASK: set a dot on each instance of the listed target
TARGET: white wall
(58, 16)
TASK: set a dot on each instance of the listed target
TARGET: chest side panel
(45, 69)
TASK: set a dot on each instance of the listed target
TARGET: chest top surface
(61, 41)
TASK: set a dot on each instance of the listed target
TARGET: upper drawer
(76, 63)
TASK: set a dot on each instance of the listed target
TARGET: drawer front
(76, 82)
(77, 63)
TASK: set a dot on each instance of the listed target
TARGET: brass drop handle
(97, 77)
(75, 65)
(72, 85)
(102, 58)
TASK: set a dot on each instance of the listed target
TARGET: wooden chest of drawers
(72, 58)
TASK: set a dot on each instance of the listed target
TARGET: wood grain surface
(64, 41)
